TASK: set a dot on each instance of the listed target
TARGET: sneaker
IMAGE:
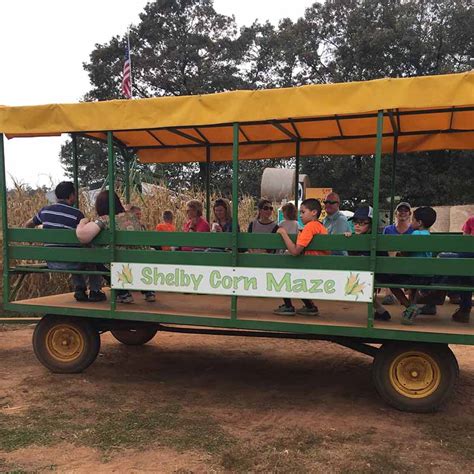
(150, 296)
(81, 295)
(308, 311)
(97, 296)
(410, 314)
(385, 316)
(389, 299)
(284, 310)
(461, 315)
(428, 309)
(125, 298)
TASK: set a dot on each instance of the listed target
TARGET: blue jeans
(465, 296)
(79, 281)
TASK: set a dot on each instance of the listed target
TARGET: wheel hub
(65, 343)
(415, 374)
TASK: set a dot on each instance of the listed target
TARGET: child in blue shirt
(423, 218)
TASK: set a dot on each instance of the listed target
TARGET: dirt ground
(189, 403)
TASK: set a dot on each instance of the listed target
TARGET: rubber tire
(135, 337)
(442, 355)
(90, 336)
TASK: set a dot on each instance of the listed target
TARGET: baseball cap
(364, 212)
(403, 204)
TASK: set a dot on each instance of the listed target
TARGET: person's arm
(293, 248)
(86, 231)
(33, 222)
(30, 224)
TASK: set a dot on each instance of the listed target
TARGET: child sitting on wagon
(310, 211)
(422, 219)
(290, 218)
(166, 226)
(362, 220)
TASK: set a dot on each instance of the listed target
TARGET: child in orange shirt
(166, 226)
(310, 211)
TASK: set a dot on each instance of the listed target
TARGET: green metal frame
(108, 247)
(75, 168)
(208, 183)
(297, 171)
(3, 189)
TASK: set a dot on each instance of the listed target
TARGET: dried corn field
(23, 204)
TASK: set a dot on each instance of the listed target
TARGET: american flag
(127, 74)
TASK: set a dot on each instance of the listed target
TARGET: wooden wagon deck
(332, 313)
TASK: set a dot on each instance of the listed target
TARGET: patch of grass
(382, 461)
(363, 436)
(289, 453)
(37, 427)
(238, 458)
(299, 440)
(456, 435)
(246, 458)
(167, 425)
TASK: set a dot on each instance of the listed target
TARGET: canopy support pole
(3, 188)
(126, 158)
(375, 207)
(208, 183)
(392, 183)
(396, 131)
(297, 171)
(111, 179)
(75, 170)
(235, 210)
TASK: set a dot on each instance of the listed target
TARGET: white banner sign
(245, 281)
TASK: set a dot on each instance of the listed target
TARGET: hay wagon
(233, 292)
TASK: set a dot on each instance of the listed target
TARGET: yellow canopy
(427, 113)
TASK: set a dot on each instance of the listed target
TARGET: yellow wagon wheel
(66, 344)
(415, 377)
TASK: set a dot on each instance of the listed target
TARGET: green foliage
(180, 47)
(428, 178)
(186, 47)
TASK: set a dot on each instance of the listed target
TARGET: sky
(44, 44)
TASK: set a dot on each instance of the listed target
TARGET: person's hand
(83, 221)
(281, 231)
(347, 234)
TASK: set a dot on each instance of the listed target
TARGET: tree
(370, 39)
(179, 47)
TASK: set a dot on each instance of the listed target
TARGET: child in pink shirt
(195, 222)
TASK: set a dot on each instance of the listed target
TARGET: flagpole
(130, 61)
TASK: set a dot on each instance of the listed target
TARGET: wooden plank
(332, 313)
